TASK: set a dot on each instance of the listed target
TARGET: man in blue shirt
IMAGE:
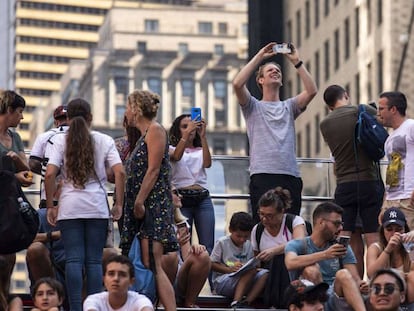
(320, 258)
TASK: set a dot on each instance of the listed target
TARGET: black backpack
(370, 134)
(17, 230)
(278, 279)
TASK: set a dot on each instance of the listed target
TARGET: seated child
(48, 295)
(230, 253)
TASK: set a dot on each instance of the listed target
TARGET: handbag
(144, 278)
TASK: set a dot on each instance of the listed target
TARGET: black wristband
(298, 64)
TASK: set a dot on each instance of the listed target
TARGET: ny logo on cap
(393, 214)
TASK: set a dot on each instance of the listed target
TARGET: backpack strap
(289, 222)
(259, 232)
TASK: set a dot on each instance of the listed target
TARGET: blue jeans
(84, 240)
(203, 217)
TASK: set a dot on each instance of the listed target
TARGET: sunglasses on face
(388, 288)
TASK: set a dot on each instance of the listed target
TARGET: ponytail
(80, 152)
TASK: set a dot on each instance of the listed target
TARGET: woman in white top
(82, 156)
(190, 156)
(269, 246)
(389, 252)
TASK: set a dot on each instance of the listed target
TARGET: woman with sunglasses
(390, 252)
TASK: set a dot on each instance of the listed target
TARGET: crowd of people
(161, 197)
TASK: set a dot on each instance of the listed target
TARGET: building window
(327, 61)
(245, 30)
(219, 49)
(379, 12)
(308, 140)
(298, 29)
(220, 116)
(183, 48)
(317, 135)
(299, 144)
(219, 146)
(347, 88)
(337, 48)
(307, 19)
(380, 73)
(205, 28)
(357, 89)
(316, 8)
(317, 68)
(369, 78)
(120, 113)
(121, 85)
(346, 39)
(24, 126)
(220, 89)
(151, 25)
(326, 8)
(222, 28)
(187, 88)
(369, 16)
(142, 47)
(289, 31)
(356, 26)
(154, 84)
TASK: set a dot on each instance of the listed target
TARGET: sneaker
(239, 305)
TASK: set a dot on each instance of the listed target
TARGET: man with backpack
(399, 149)
(359, 189)
(320, 258)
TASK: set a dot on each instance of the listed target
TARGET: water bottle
(25, 209)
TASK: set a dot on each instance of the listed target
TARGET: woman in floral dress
(149, 209)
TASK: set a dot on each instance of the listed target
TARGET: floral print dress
(158, 221)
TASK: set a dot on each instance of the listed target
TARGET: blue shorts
(225, 284)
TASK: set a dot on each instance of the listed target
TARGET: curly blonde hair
(80, 151)
(144, 103)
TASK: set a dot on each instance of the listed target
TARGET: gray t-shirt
(271, 132)
(225, 251)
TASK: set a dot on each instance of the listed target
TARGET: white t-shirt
(40, 148)
(99, 302)
(268, 241)
(399, 149)
(189, 170)
(89, 202)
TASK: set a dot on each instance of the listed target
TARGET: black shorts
(363, 198)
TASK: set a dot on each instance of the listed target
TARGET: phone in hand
(282, 48)
(344, 240)
(196, 114)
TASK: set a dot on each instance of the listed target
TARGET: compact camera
(282, 48)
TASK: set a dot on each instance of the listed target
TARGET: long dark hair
(133, 134)
(401, 250)
(80, 151)
(175, 132)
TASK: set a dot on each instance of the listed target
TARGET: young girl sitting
(48, 295)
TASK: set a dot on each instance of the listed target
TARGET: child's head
(241, 224)
(47, 293)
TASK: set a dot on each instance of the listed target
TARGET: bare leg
(192, 277)
(38, 262)
(164, 288)
(410, 287)
(257, 288)
(345, 286)
(357, 245)
(170, 265)
(244, 284)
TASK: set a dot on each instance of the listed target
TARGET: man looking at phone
(270, 125)
(320, 258)
(359, 190)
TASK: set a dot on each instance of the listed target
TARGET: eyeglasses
(175, 191)
(267, 216)
(336, 223)
(388, 288)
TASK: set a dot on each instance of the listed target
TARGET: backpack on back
(370, 134)
(17, 231)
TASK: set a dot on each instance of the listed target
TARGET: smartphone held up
(196, 114)
(282, 48)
